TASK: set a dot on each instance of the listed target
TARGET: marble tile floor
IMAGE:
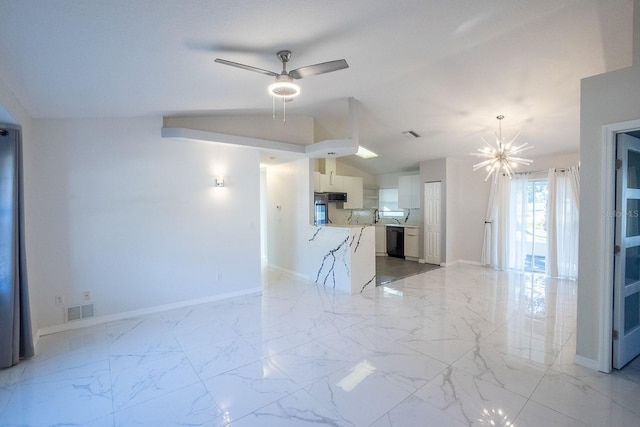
(456, 346)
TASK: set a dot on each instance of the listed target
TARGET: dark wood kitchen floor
(389, 269)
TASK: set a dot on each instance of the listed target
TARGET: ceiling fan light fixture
(284, 87)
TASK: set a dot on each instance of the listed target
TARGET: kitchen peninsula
(345, 256)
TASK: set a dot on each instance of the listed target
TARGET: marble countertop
(348, 225)
(373, 225)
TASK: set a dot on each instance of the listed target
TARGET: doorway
(626, 284)
(604, 359)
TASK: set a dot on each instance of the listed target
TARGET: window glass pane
(632, 265)
(631, 312)
(534, 229)
(632, 214)
(633, 169)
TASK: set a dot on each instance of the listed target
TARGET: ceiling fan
(284, 86)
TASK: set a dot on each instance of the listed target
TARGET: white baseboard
(290, 272)
(460, 261)
(587, 363)
(93, 321)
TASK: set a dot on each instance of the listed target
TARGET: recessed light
(364, 153)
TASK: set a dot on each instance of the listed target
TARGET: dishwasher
(395, 241)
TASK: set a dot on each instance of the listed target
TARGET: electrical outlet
(59, 301)
(86, 295)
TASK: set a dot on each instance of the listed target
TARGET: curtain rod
(540, 171)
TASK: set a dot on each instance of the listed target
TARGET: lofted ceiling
(444, 69)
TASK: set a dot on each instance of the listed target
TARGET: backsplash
(368, 217)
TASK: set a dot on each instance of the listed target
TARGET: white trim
(605, 314)
(460, 261)
(587, 363)
(291, 272)
(142, 312)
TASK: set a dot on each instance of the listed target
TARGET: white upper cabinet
(352, 185)
(316, 182)
(332, 183)
(354, 189)
(409, 192)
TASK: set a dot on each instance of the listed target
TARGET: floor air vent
(79, 312)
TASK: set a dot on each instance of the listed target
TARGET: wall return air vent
(78, 312)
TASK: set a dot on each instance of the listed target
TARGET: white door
(626, 286)
(432, 220)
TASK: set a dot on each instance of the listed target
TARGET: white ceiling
(443, 68)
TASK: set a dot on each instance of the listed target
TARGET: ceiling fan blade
(324, 67)
(246, 67)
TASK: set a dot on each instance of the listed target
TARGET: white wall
(608, 98)
(134, 219)
(289, 199)
(368, 180)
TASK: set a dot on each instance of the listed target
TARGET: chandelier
(501, 157)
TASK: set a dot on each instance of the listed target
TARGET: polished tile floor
(456, 346)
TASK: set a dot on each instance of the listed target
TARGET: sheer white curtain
(488, 244)
(562, 225)
(517, 222)
(494, 249)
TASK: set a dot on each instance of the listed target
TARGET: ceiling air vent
(410, 134)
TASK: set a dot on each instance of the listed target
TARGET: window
(528, 224)
(388, 203)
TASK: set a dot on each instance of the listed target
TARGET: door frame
(605, 339)
(424, 231)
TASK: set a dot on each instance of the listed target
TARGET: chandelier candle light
(501, 157)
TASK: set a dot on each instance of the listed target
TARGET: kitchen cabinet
(412, 242)
(332, 183)
(381, 240)
(353, 187)
(409, 192)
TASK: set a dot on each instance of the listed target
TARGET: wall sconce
(219, 181)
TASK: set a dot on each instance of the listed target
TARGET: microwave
(337, 197)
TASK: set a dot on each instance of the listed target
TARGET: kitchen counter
(345, 256)
(372, 225)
